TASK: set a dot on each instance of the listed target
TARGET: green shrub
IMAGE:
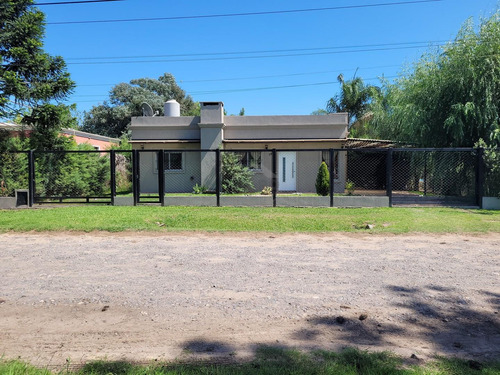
(235, 177)
(199, 189)
(349, 186)
(268, 190)
(323, 180)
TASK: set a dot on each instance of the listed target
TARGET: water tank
(172, 108)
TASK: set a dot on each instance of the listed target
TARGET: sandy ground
(146, 297)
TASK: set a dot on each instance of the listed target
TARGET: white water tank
(172, 108)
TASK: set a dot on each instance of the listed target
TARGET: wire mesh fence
(320, 177)
(71, 177)
(435, 173)
(492, 172)
(13, 173)
(366, 172)
(123, 172)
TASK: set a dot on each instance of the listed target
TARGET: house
(99, 142)
(181, 136)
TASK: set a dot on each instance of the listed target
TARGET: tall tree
(125, 99)
(32, 83)
(354, 98)
(451, 97)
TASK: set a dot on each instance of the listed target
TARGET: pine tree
(32, 83)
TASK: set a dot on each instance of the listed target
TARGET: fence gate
(435, 177)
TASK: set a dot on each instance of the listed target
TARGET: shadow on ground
(433, 315)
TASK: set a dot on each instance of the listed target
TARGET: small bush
(199, 189)
(323, 180)
(349, 186)
(268, 190)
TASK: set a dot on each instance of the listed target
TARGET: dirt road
(149, 297)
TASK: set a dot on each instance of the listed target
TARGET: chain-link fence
(123, 172)
(436, 174)
(491, 159)
(72, 177)
(298, 177)
(366, 172)
(13, 173)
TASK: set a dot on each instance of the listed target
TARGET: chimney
(212, 112)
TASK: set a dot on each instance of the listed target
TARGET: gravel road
(143, 296)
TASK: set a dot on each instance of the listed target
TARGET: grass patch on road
(280, 361)
(252, 219)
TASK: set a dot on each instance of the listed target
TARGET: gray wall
(175, 181)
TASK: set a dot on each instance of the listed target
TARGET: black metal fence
(459, 177)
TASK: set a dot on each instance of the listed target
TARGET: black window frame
(246, 159)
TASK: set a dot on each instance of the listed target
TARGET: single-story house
(99, 142)
(213, 130)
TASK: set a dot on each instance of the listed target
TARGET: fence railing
(277, 177)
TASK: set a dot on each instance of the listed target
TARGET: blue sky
(212, 63)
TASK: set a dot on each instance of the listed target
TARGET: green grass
(278, 361)
(283, 219)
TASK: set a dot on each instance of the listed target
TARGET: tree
(450, 98)
(235, 177)
(112, 118)
(354, 98)
(32, 83)
(323, 180)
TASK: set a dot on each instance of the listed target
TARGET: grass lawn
(281, 361)
(283, 219)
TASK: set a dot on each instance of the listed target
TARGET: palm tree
(354, 98)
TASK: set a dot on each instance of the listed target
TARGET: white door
(287, 171)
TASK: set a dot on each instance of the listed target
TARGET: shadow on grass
(268, 360)
(284, 360)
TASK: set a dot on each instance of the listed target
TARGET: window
(325, 156)
(172, 161)
(251, 159)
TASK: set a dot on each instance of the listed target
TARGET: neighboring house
(99, 142)
(212, 130)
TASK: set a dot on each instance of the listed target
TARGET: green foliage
(30, 79)
(13, 173)
(113, 118)
(47, 121)
(235, 177)
(349, 187)
(492, 170)
(450, 98)
(354, 98)
(267, 190)
(13, 166)
(72, 174)
(199, 189)
(323, 180)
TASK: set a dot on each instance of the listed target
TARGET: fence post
(31, 178)
(332, 171)
(479, 176)
(112, 182)
(388, 175)
(425, 173)
(274, 175)
(135, 176)
(161, 176)
(217, 176)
